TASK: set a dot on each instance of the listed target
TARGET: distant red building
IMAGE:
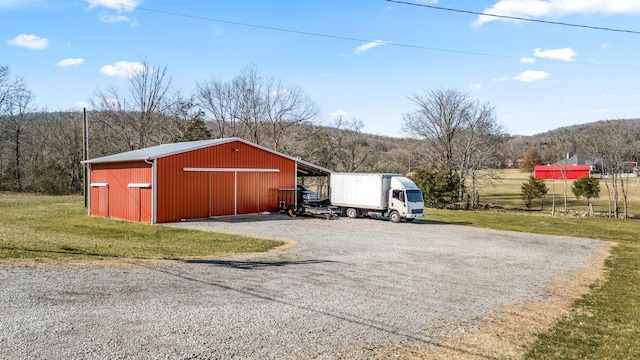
(559, 172)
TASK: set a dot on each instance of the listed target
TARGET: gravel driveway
(348, 289)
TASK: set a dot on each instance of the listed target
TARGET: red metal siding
(118, 200)
(184, 195)
(269, 191)
(248, 193)
(222, 193)
(570, 172)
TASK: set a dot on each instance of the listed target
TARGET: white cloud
(82, 104)
(475, 86)
(557, 8)
(605, 45)
(338, 113)
(118, 5)
(122, 69)
(110, 18)
(527, 60)
(32, 42)
(368, 46)
(564, 54)
(531, 76)
(70, 62)
(500, 79)
(280, 92)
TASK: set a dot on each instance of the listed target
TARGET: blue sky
(537, 76)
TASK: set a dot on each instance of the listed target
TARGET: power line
(516, 17)
(338, 37)
(307, 33)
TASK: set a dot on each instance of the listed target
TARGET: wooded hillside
(449, 135)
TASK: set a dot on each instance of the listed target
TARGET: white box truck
(388, 195)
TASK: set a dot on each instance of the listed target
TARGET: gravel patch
(349, 289)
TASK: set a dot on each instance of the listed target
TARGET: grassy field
(58, 228)
(505, 190)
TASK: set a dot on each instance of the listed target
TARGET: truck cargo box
(360, 190)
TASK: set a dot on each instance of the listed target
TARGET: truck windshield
(414, 196)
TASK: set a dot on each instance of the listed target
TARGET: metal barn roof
(154, 152)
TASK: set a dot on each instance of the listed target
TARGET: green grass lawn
(58, 228)
(505, 190)
(605, 323)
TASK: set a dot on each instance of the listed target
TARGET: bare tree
(477, 146)
(221, 106)
(612, 143)
(5, 93)
(460, 135)
(64, 151)
(142, 117)
(352, 148)
(437, 120)
(286, 107)
(252, 107)
(17, 103)
(6, 88)
(249, 88)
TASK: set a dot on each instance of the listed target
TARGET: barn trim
(154, 191)
(230, 170)
(139, 185)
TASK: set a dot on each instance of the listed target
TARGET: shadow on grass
(232, 219)
(433, 222)
(62, 251)
(251, 265)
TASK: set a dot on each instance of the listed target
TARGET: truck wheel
(394, 217)
(352, 213)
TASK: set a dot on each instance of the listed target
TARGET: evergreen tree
(586, 187)
(533, 189)
(439, 187)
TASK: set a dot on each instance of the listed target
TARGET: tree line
(41, 150)
(452, 141)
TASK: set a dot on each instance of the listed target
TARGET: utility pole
(85, 153)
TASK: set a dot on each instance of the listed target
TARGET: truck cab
(405, 200)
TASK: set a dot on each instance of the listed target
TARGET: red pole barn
(569, 172)
(192, 180)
